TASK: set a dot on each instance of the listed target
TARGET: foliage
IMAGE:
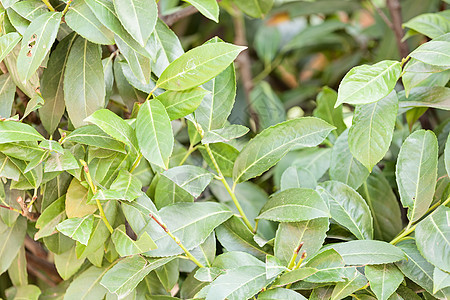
(131, 169)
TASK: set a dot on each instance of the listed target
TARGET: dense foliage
(131, 169)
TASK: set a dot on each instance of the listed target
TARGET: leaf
(93, 136)
(168, 192)
(416, 268)
(348, 208)
(279, 293)
(198, 65)
(192, 179)
(7, 95)
(417, 73)
(7, 43)
(431, 25)
(156, 145)
(289, 236)
(138, 17)
(61, 162)
(216, 106)
(225, 156)
(416, 172)
(78, 229)
(433, 238)
(12, 239)
(294, 276)
(268, 147)
(368, 252)
(127, 185)
(181, 103)
(372, 130)
(268, 107)
(12, 131)
(297, 177)
(208, 8)
(197, 223)
(239, 283)
(274, 267)
(37, 41)
(294, 205)
(208, 274)
(35, 103)
(224, 134)
(168, 274)
(30, 9)
(86, 285)
(84, 85)
(115, 126)
(125, 246)
(29, 292)
(441, 280)
(138, 63)
(447, 155)
(67, 263)
(8, 168)
(383, 205)
(330, 266)
(267, 43)
(50, 217)
(426, 96)
(366, 84)
(52, 85)
(343, 166)
(384, 279)
(434, 52)
(255, 8)
(18, 270)
(325, 110)
(350, 285)
(83, 21)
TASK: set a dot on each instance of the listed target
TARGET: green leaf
(198, 65)
(93, 136)
(350, 285)
(12, 131)
(12, 239)
(225, 156)
(368, 252)
(67, 263)
(447, 155)
(50, 217)
(30, 9)
(366, 84)
(29, 292)
(138, 17)
(431, 25)
(197, 223)
(208, 274)
(34, 103)
(168, 274)
(325, 110)
(83, 21)
(289, 236)
(18, 270)
(114, 126)
(434, 52)
(123, 278)
(372, 130)
(216, 106)
(416, 268)
(181, 103)
(274, 267)
(224, 134)
(348, 208)
(8, 168)
(297, 177)
(84, 85)
(208, 8)
(384, 279)
(127, 186)
(255, 8)
(417, 73)
(125, 246)
(7, 95)
(343, 166)
(156, 144)
(235, 259)
(330, 266)
(192, 179)
(416, 172)
(86, 285)
(383, 204)
(37, 41)
(52, 85)
(294, 276)
(61, 162)
(78, 229)
(279, 293)
(7, 43)
(294, 205)
(441, 280)
(168, 192)
(239, 283)
(433, 238)
(267, 105)
(268, 147)
(426, 96)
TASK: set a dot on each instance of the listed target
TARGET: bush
(134, 170)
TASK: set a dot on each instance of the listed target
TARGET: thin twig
(32, 216)
(395, 11)
(178, 15)
(382, 15)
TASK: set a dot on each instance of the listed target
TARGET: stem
(256, 226)
(294, 256)
(229, 190)
(67, 7)
(10, 208)
(136, 163)
(302, 258)
(189, 152)
(49, 6)
(188, 254)
(151, 92)
(94, 190)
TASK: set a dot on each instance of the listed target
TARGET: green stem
(47, 3)
(188, 254)
(136, 163)
(67, 7)
(151, 92)
(103, 216)
(189, 152)
(256, 226)
(229, 190)
(294, 256)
